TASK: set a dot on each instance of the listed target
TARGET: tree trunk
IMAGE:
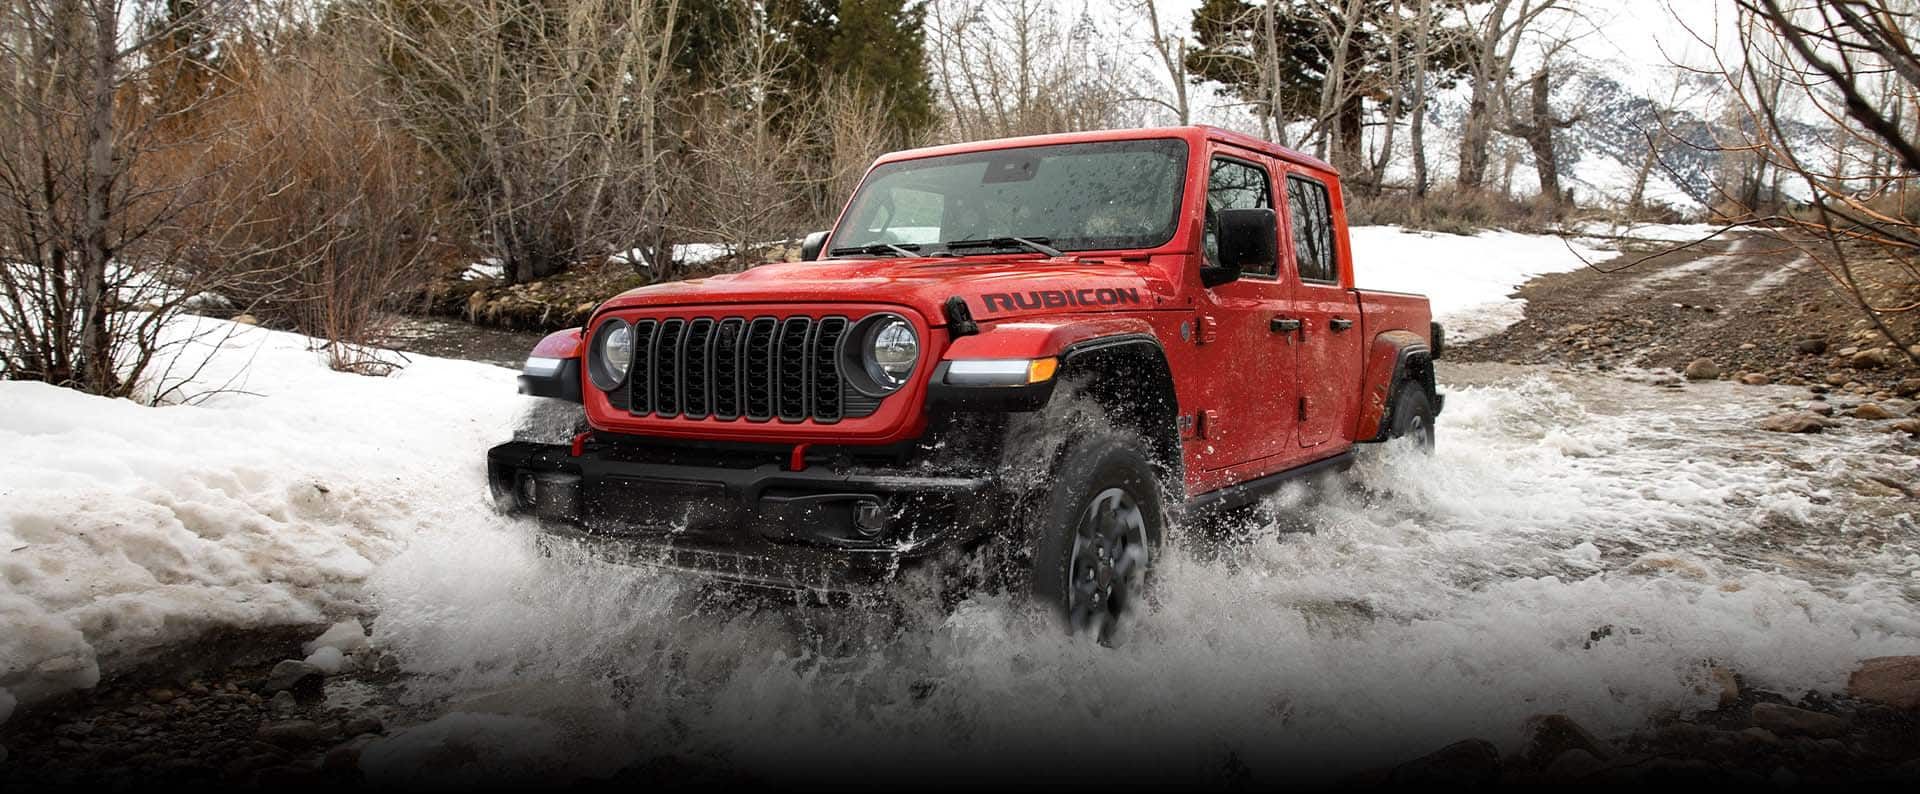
(1417, 127)
(1474, 137)
(96, 344)
(1539, 138)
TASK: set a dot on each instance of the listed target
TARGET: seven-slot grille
(754, 368)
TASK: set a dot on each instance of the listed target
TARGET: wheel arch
(1395, 358)
(1129, 376)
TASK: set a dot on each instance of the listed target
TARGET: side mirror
(1248, 239)
(810, 247)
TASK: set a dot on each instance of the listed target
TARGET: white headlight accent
(541, 367)
(995, 371)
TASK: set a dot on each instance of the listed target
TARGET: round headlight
(613, 355)
(893, 351)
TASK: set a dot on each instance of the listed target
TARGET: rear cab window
(1311, 213)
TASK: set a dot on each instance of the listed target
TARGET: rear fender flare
(1395, 357)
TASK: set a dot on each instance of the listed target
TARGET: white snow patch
(1469, 279)
(328, 660)
(346, 636)
(124, 528)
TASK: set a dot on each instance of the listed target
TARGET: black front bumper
(824, 528)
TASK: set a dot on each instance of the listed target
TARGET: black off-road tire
(1413, 416)
(1096, 533)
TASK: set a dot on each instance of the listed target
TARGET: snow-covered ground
(1468, 278)
(124, 528)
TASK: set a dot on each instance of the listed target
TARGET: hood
(995, 288)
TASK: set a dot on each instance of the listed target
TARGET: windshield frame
(1176, 145)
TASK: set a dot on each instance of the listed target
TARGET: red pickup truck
(1039, 352)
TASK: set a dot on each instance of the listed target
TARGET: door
(1247, 364)
(1327, 374)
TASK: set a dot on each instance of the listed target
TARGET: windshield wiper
(1034, 244)
(879, 248)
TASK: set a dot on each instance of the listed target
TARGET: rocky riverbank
(1745, 310)
(1869, 735)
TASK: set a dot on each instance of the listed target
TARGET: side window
(1312, 216)
(1235, 185)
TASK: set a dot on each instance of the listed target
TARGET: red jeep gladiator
(1046, 347)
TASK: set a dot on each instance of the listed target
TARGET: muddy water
(1577, 545)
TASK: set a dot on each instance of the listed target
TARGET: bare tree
(1536, 130)
(1021, 67)
(1171, 49)
(1494, 42)
(553, 110)
(95, 240)
(1853, 64)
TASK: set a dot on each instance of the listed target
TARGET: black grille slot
(760, 369)
(727, 363)
(638, 395)
(791, 359)
(666, 368)
(696, 357)
(826, 368)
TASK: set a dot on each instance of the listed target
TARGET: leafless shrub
(553, 112)
(98, 246)
(340, 234)
(1852, 65)
(1022, 67)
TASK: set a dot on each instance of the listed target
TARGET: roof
(1192, 133)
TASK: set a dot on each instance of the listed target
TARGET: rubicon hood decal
(1003, 302)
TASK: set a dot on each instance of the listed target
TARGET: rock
(282, 702)
(292, 674)
(1870, 411)
(1888, 680)
(1701, 369)
(246, 319)
(1760, 737)
(1755, 379)
(1795, 422)
(1550, 736)
(1908, 426)
(1908, 388)
(1787, 720)
(1812, 346)
(162, 695)
(362, 725)
(1876, 358)
(1821, 408)
(346, 757)
(292, 733)
(1473, 761)
(1748, 346)
(1573, 765)
(1728, 684)
(1838, 378)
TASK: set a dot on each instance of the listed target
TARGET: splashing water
(1576, 545)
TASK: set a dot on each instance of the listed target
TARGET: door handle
(1340, 323)
(1283, 325)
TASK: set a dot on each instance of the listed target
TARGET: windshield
(1072, 197)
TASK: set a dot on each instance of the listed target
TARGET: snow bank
(124, 528)
(1470, 279)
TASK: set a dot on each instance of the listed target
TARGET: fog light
(868, 519)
